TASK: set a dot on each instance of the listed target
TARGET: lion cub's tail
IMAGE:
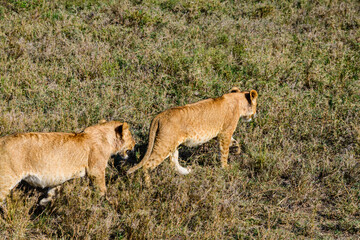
(152, 134)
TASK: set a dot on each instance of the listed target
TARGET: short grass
(64, 65)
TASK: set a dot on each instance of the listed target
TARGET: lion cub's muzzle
(128, 153)
(249, 118)
(125, 154)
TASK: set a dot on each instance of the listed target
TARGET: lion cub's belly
(50, 180)
(199, 138)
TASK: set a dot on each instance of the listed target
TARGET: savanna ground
(64, 65)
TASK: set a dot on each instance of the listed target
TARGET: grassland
(65, 65)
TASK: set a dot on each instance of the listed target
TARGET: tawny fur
(49, 159)
(194, 124)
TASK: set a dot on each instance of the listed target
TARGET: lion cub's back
(44, 154)
(198, 122)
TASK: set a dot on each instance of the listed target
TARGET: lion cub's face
(251, 108)
(126, 141)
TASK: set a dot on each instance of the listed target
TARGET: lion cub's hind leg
(156, 158)
(7, 182)
(174, 157)
(4, 191)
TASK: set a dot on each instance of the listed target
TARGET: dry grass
(66, 64)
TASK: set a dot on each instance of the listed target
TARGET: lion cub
(194, 124)
(49, 159)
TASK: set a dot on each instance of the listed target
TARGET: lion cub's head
(124, 142)
(251, 97)
(127, 142)
(250, 106)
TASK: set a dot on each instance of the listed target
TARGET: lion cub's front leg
(96, 173)
(225, 140)
(175, 160)
(97, 177)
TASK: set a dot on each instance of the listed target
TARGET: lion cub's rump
(197, 123)
(49, 159)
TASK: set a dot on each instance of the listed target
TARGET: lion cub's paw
(226, 166)
(185, 171)
(45, 201)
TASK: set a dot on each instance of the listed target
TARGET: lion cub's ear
(235, 89)
(122, 130)
(125, 126)
(102, 121)
(253, 95)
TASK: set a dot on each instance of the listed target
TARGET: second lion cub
(194, 124)
(49, 159)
